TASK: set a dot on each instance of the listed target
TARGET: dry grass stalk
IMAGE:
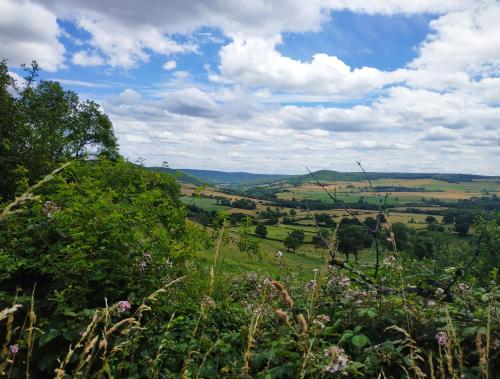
(253, 330)
(301, 320)
(415, 352)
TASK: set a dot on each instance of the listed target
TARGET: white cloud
(124, 47)
(255, 61)
(84, 58)
(463, 41)
(28, 32)
(169, 65)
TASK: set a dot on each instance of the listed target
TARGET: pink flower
(339, 359)
(441, 338)
(123, 306)
(14, 349)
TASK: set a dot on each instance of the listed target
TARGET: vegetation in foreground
(100, 277)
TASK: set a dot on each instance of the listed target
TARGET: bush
(102, 230)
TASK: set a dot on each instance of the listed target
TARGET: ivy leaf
(360, 340)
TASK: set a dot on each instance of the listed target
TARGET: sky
(275, 86)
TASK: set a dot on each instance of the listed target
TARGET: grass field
(204, 203)
(303, 261)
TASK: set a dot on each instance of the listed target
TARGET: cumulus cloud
(255, 61)
(191, 102)
(84, 58)
(28, 31)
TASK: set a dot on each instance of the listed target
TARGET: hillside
(181, 176)
(231, 178)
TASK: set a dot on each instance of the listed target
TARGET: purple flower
(441, 338)
(123, 306)
(14, 349)
(142, 265)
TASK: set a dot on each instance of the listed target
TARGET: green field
(306, 259)
(204, 203)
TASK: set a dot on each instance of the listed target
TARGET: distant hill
(199, 177)
(181, 176)
(232, 178)
(328, 175)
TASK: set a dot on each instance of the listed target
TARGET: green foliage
(261, 230)
(352, 238)
(43, 125)
(101, 230)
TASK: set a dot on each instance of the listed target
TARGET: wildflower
(282, 315)
(207, 302)
(321, 320)
(339, 359)
(439, 291)
(311, 284)
(278, 254)
(431, 303)
(267, 282)
(123, 306)
(169, 263)
(49, 208)
(14, 349)
(463, 287)
(344, 282)
(142, 265)
(441, 338)
(389, 261)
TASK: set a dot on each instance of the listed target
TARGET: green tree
(43, 125)
(292, 243)
(261, 230)
(462, 228)
(401, 235)
(430, 219)
(352, 238)
(299, 234)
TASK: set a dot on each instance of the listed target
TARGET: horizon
(273, 87)
(324, 169)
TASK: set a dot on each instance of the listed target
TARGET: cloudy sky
(274, 86)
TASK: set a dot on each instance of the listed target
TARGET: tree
(299, 234)
(462, 228)
(321, 238)
(293, 212)
(448, 218)
(430, 219)
(291, 243)
(371, 223)
(352, 238)
(43, 125)
(324, 219)
(401, 235)
(423, 245)
(261, 230)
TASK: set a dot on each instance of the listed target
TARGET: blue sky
(276, 86)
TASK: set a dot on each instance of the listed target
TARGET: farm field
(427, 189)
